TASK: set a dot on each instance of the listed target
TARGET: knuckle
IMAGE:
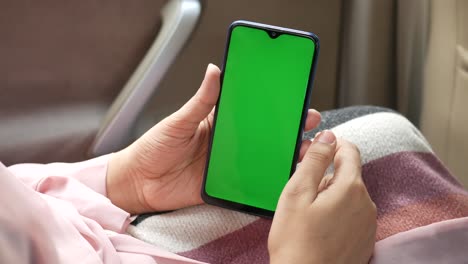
(355, 148)
(348, 153)
(318, 156)
(297, 190)
(202, 100)
(350, 146)
(357, 187)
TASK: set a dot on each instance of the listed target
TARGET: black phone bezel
(278, 31)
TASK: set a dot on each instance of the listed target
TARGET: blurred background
(84, 78)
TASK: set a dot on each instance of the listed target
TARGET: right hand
(324, 219)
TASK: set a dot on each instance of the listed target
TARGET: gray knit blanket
(408, 183)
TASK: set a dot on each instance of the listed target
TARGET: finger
(347, 181)
(202, 103)
(313, 120)
(326, 181)
(347, 162)
(305, 181)
(304, 147)
(211, 115)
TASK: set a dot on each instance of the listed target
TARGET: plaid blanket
(408, 183)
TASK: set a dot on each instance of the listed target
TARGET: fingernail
(317, 134)
(313, 111)
(326, 137)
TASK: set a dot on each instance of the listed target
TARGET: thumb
(201, 104)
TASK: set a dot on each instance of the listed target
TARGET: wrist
(121, 184)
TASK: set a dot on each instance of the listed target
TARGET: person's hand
(324, 219)
(163, 170)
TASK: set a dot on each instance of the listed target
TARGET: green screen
(259, 116)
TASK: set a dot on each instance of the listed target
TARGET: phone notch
(273, 33)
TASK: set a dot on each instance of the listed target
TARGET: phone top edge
(247, 23)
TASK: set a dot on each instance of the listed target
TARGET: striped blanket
(410, 186)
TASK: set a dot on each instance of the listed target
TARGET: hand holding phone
(163, 169)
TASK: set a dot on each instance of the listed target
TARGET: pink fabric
(64, 212)
(444, 242)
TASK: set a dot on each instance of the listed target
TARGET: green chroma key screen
(259, 116)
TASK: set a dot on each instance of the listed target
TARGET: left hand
(163, 170)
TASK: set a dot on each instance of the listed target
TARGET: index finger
(305, 181)
(347, 162)
(313, 119)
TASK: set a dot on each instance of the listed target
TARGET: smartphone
(266, 83)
